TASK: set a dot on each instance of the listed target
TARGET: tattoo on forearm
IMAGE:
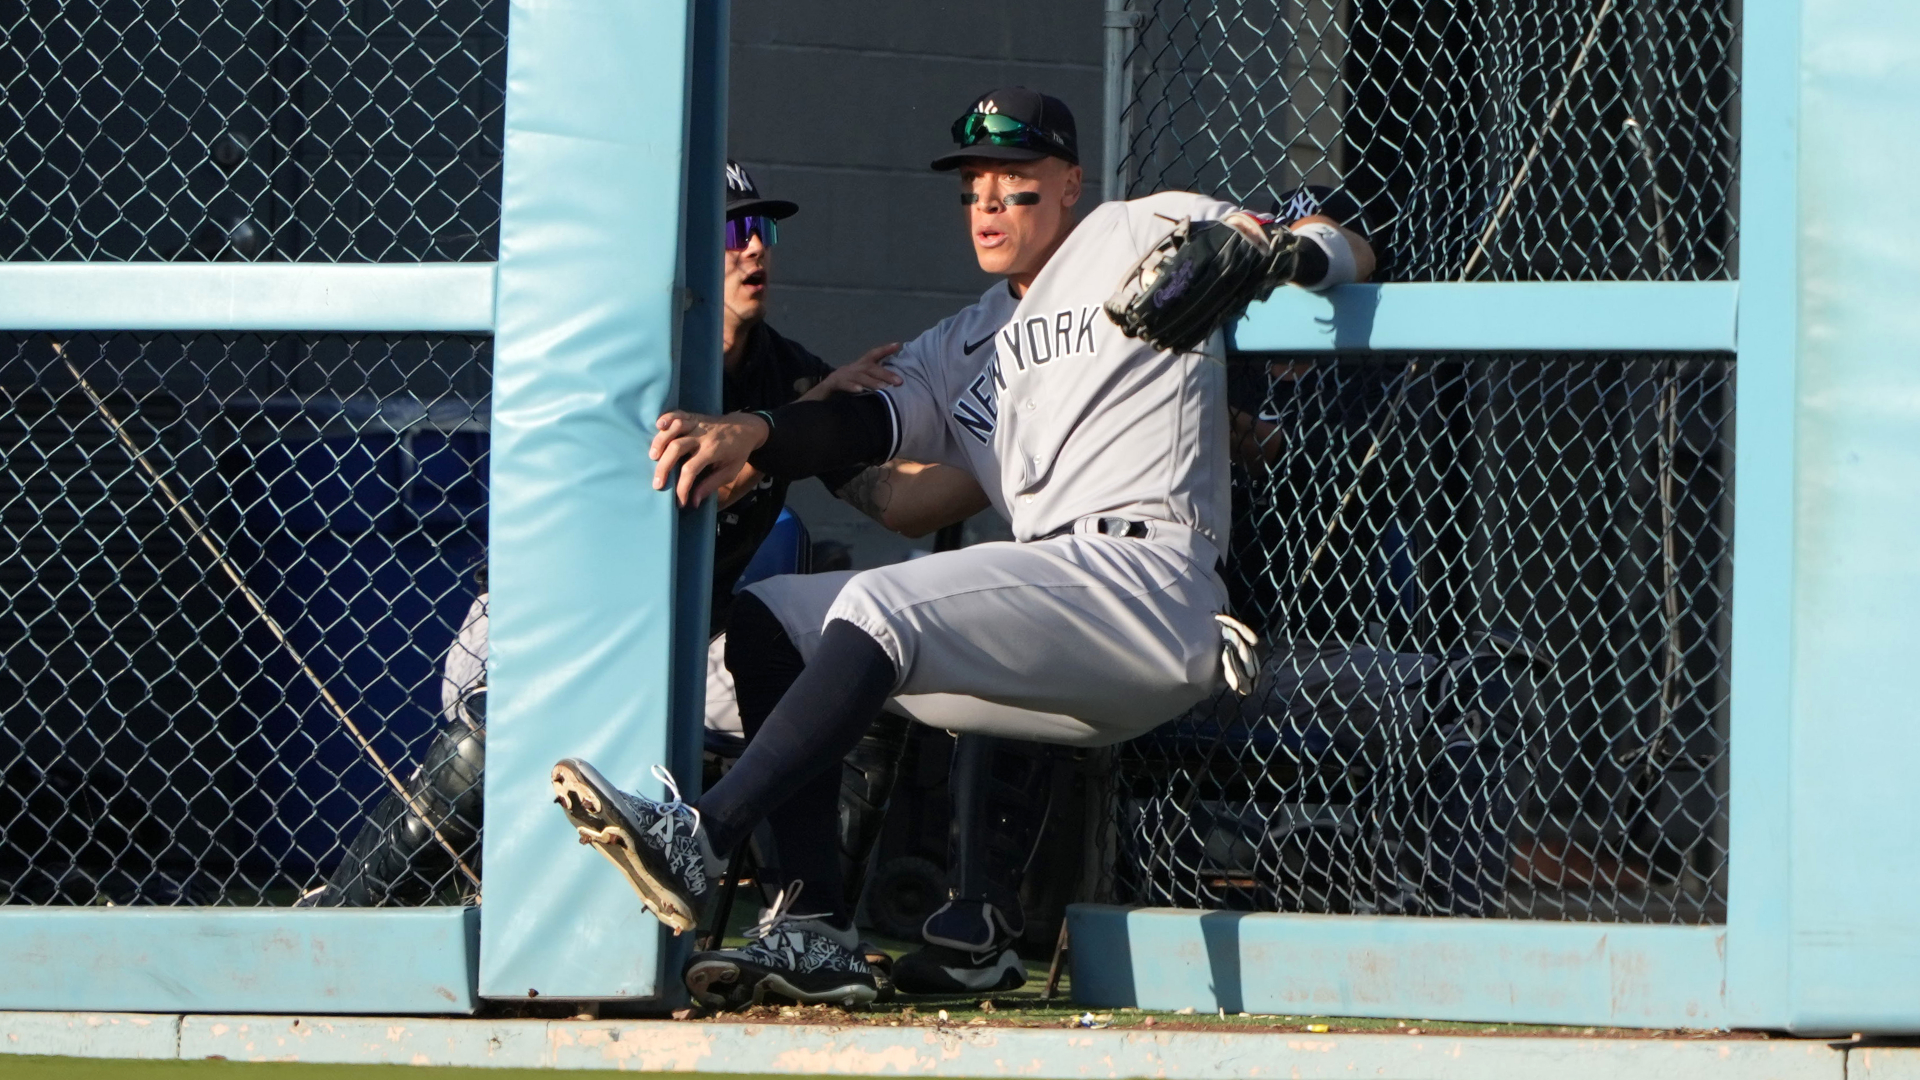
(870, 492)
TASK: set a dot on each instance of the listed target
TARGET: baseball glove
(1203, 274)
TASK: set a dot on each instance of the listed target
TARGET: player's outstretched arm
(912, 498)
(1203, 272)
(1357, 245)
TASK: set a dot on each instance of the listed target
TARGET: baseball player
(1095, 422)
(761, 369)
(969, 940)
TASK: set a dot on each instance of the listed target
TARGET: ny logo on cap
(987, 106)
(737, 177)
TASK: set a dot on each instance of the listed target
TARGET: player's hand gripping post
(708, 450)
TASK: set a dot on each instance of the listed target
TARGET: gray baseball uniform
(1109, 459)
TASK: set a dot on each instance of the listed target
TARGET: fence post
(584, 551)
(1847, 349)
(1759, 816)
(1121, 26)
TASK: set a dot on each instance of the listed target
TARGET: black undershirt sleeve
(835, 479)
(812, 437)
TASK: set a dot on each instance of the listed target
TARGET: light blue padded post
(583, 550)
(1854, 852)
(697, 389)
(698, 386)
(1758, 807)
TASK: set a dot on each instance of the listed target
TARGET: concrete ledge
(1066, 1054)
(1045, 1053)
(1884, 1063)
(93, 1035)
(360, 1040)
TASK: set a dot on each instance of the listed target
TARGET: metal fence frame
(1817, 928)
(613, 112)
(1523, 970)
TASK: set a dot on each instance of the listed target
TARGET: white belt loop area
(1179, 537)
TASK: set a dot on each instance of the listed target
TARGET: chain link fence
(162, 738)
(1494, 588)
(234, 563)
(1487, 139)
(350, 131)
(1494, 591)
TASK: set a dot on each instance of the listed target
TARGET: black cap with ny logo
(1013, 124)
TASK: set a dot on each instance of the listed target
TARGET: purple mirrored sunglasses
(741, 231)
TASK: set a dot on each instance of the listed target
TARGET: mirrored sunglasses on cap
(741, 231)
(976, 128)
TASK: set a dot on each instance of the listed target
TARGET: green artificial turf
(60, 1068)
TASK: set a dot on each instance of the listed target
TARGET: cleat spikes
(654, 844)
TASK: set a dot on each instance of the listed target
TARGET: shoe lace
(661, 774)
(780, 912)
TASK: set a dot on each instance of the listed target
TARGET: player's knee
(862, 595)
(870, 607)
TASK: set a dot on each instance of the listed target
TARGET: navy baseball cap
(743, 198)
(1340, 205)
(1013, 124)
(1308, 200)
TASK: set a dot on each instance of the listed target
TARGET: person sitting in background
(763, 369)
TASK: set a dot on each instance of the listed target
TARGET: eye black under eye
(968, 198)
(1022, 198)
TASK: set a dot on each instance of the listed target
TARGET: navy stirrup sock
(792, 762)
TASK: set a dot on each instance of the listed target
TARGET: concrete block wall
(839, 105)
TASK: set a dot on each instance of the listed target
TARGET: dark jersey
(774, 372)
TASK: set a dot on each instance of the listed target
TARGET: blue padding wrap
(583, 549)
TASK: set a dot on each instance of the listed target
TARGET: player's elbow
(910, 524)
(914, 521)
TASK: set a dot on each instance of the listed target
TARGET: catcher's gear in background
(393, 860)
(866, 783)
(1202, 275)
